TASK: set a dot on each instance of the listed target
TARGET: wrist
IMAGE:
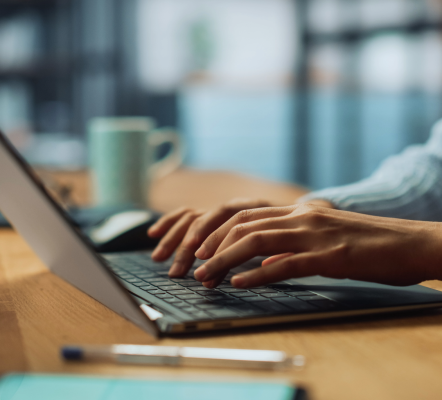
(434, 260)
(318, 202)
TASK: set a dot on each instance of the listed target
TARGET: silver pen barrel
(186, 356)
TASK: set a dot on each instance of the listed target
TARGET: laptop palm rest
(356, 294)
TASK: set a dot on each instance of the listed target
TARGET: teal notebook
(70, 387)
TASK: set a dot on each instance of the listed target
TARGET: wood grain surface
(396, 357)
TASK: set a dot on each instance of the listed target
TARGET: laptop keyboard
(189, 296)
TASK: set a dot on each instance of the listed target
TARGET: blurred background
(317, 92)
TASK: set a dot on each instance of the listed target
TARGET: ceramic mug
(122, 158)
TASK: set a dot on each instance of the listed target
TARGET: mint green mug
(122, 158)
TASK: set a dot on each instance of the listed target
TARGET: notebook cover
(70, 387)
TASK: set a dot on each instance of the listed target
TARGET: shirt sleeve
(408, 185)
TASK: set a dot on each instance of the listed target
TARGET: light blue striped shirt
(408, 185)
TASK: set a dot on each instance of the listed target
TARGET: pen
(183, 356)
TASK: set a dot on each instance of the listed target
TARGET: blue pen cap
(71, 353)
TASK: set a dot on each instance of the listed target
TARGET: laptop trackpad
(356, 294)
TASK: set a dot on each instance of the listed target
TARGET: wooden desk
(385, 358)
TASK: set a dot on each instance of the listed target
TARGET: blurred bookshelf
(321, 96)
(63, 62)
(351, 115)
(355, 35)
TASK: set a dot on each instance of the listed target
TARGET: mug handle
(173, 159)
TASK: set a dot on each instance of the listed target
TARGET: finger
(211, 223)
(200, 229)
(273, 259)
(296, 266)
(214, 282)
(206, 224)
(212, 243)
(159, 228)
(173, 238)
(242, 230)
(256, 244)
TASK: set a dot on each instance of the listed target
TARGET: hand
(307, 240)
(186, 229)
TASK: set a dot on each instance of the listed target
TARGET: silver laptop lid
(46, 228)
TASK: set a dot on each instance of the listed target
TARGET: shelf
(29, 3)
(12, 7)
(37, 69)
(354, 35)
(62, 67)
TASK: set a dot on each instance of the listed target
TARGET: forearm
(407, 186)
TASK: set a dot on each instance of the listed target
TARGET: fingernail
(201, 253)
(209, 284)
(238, 281)
(176, 270)
(201, 273)
(151, 230)
(158, 253)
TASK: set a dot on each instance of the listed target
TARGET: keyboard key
(218, 297)
(156, 292)
(163, 273)
(297, 293)
(157, 280)
(232, 290)
(191, 283)
(142, 283)
(136, 269)
(125, 276)
(181, 291)
(203, 290)
(255, 299)
(170, 287)
(134, 280)
(311, 297)
(173, 300)
(179, 303)
(244, 294)
(223, 313)
(197, 301)
(148, 287)
(231, 301)
(164, 296)
(161, 283)
(146, 275)
(189, 296)
(273, 295)
(263, 290)
(225, 286)
(210, 306)
(296, 305)
(157, 268)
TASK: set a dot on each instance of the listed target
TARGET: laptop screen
(46, 228)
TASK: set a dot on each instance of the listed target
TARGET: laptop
(138, 289)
